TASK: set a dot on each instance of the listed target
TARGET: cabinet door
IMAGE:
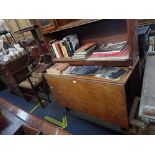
(16, 24)
(103, 100)
(44, 22)
(46, 25)
(13, 27)
(24, 23)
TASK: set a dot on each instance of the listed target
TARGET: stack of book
(65, 47)
(111, 51)
(84, 51)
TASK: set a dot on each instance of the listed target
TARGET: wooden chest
(107, 100)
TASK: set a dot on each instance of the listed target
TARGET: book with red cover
(58, 49)
(111, 53)
(123, 55)
(105, 53)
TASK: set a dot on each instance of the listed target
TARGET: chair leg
(23, 95)
(39, 99)
(36, 94)
(49, 100)
(46, 89)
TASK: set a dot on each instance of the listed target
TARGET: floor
(56, 114)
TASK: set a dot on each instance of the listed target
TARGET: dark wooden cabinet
(7, 73)
(104, 99)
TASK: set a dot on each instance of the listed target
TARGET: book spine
(62, 49)
(67, 48)
(59, 51)
(65, 51)
(111, 52)
(51, 48)
(55, 50)
(105, 54)
(69, 45)
(52, 51)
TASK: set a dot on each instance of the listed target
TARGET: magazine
(112, 47)
(82, 70)
(111, 73)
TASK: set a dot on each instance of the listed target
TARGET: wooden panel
(44, 126)
(10, 122)
(133, 40)
(77, 62)
(74, 23)
(99, 99)
(61, 22)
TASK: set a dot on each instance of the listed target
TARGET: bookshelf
(99, 31)
(106, 100)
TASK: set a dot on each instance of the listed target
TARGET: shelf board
(73, 24)
(26, 29)
(93, 62)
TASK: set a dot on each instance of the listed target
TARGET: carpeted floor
(57, 113)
